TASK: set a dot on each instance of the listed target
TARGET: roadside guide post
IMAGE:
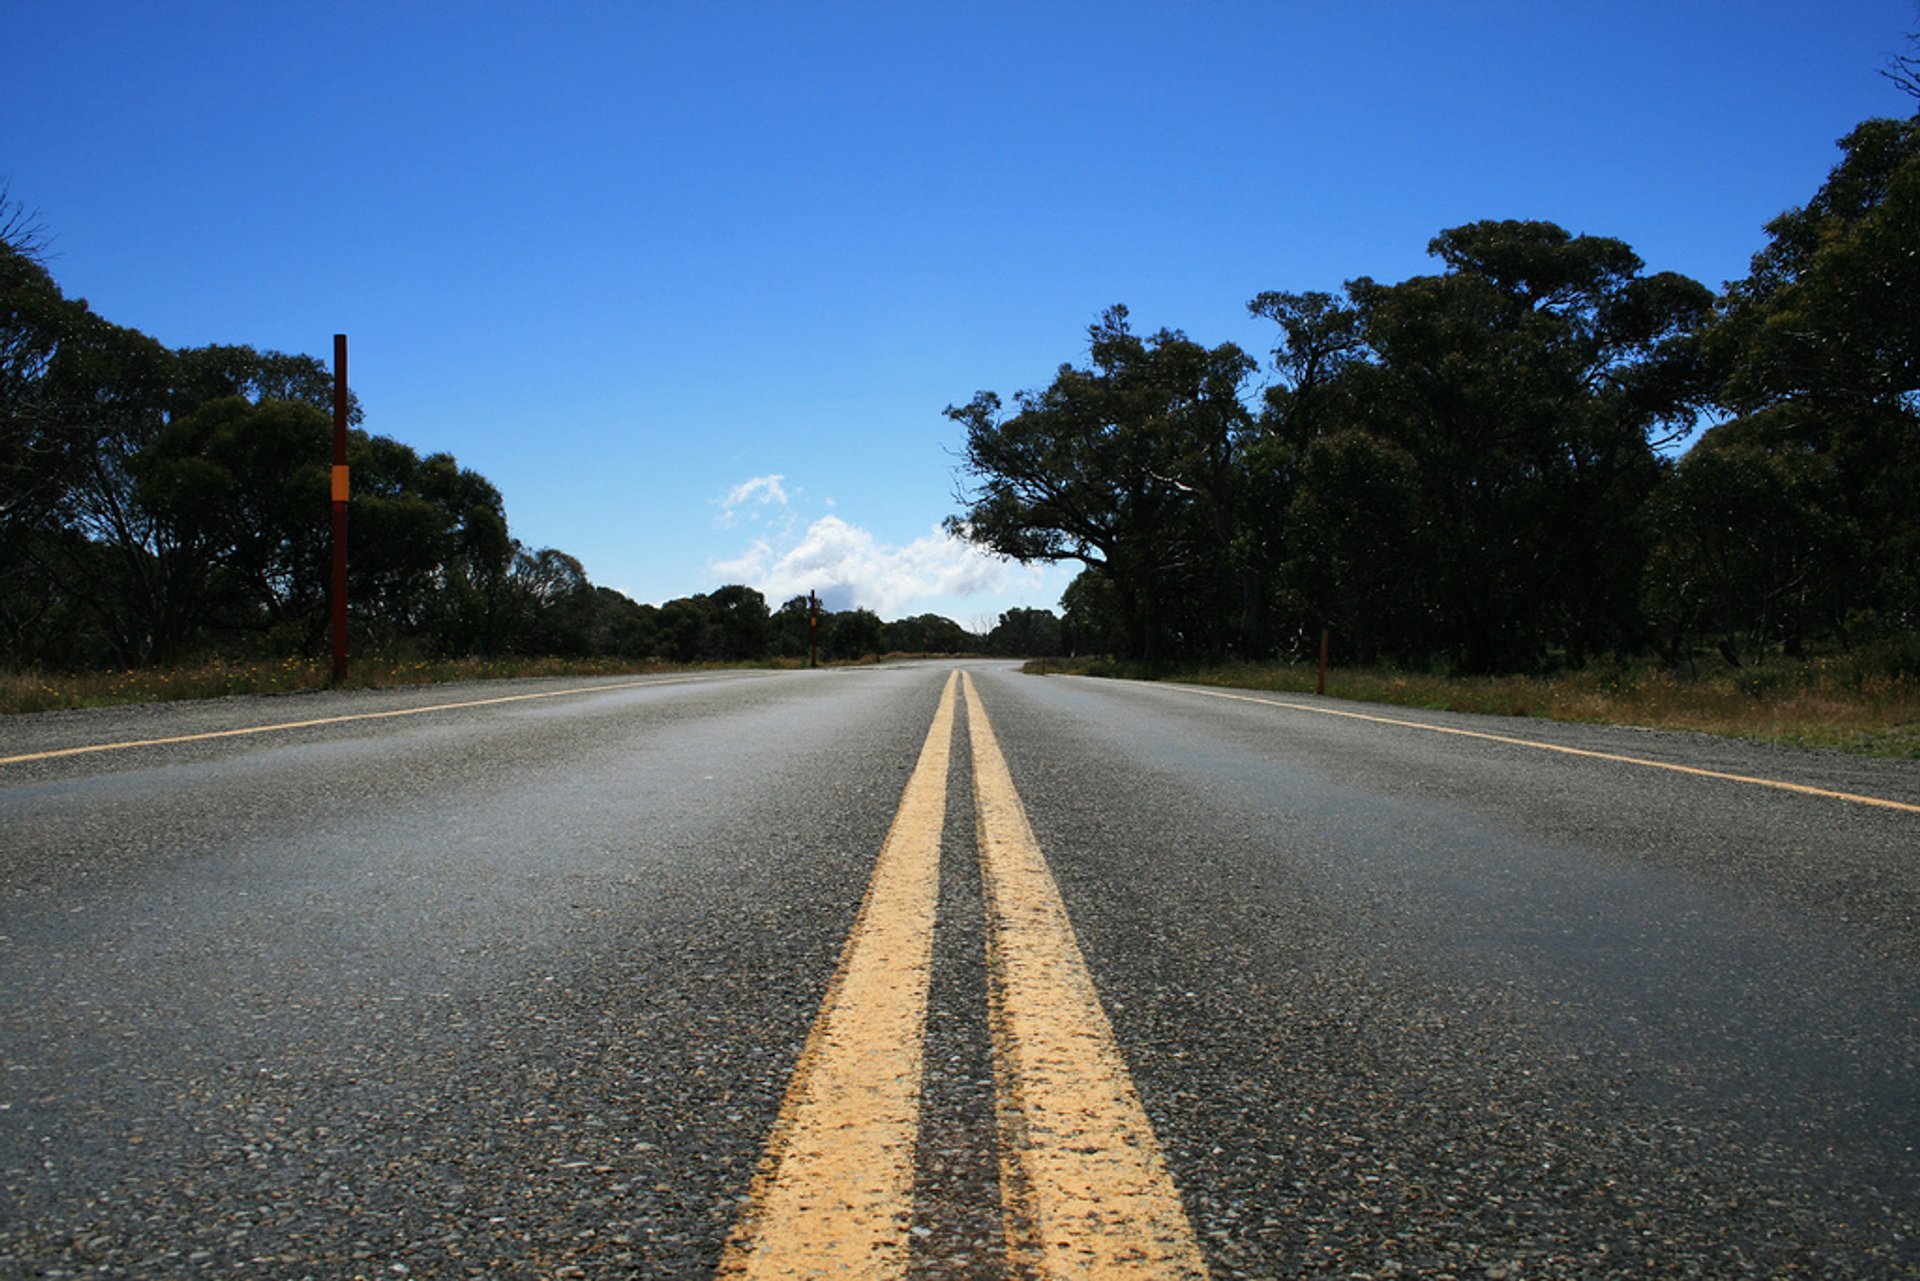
(339, 508)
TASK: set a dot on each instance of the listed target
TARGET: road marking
(338, 720)
(834, 1195)
(1779, 784)
(1085, 1186)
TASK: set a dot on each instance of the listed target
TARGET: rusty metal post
(1326, 636)
(339, 508)
(813, 630)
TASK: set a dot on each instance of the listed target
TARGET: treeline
(158, 505)
(734, 623)
(161, 504)
(1471, 469)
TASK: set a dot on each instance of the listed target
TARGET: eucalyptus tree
(1529, 383)
(1025, 633)
(1821, 343)
(1755, 551)
(1128, 465)
(94, 397)
(1286, 534)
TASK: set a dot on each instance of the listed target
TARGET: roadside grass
(1853, 704)
(38, 691)
(34, 691)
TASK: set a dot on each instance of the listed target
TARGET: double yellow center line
(1085, 1191)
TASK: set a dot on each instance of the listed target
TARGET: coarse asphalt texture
(515, 989)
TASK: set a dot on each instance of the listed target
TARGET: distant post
(339, 508)
(1326, 636)
(813, 630)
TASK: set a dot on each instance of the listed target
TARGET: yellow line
(834, 1195)
(1779, 784)
(1086, 1188)
(338, 720)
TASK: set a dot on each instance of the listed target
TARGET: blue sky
(692, 283)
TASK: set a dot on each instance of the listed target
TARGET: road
(596, 979)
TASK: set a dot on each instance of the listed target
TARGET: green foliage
(157, 505)
(740, 623)
(1822, 347)
(1465, 469)
(1450, 467)
(79, 400)
(212, 373)
(851, 635)
(1127, 465)
(1357, 494)
(1026, 633)
(791, 629)
(1528, 386)
(1090, 620)
(162, 505)
(926, 634)
(1831, 310)
(1754, 550)
(729, 625)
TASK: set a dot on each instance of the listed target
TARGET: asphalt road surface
(1023, 977)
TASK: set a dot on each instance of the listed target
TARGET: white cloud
(760, 491)
(851, 569)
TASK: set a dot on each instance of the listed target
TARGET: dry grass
(1837, 702)
(35, 691)
(31, 691)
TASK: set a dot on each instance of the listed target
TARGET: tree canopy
(157, 505)
(1126, 466)
(1475, 467)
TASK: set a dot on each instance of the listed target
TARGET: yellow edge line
(834, 1193)
(338, 720)
(1085, 1186)
(1779, 784)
